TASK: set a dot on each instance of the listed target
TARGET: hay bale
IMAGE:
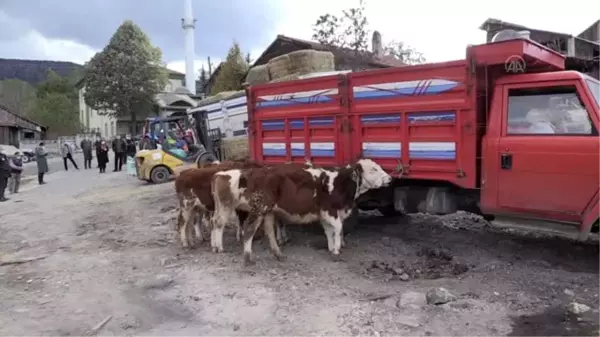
(258, 75)
(286, 78)
(301, 62)
(222, 96)
(235, 148)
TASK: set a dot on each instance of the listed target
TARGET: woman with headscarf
(102, 156)
(42, 162)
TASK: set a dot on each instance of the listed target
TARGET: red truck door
(544, 164)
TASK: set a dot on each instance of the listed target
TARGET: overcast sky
(73, 30)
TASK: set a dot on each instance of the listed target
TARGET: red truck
(468, 134)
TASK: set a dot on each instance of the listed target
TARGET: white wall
(91, 120)
(173, 84)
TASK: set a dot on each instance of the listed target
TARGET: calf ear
(357, 172)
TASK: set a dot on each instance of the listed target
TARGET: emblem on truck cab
(514, 64)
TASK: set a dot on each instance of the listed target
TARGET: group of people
(122, 148)
(10, 173)
(11, 166)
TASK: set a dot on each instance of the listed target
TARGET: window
(547, 111)
(595, 89)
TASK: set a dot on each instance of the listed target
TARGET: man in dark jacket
(97, 149)
(86, 147)
(118, 147)
(4, 175)
(16, 165)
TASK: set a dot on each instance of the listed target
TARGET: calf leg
(329, 233)
(333, 230)
(269, 226)
(253, 221)
(241, 219)
(186, 214)
(278, 232)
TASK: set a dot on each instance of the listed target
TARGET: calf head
(369, 175)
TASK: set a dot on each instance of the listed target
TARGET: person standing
(102, 156)
(16, 165)
(97, 148)
(130, 150)
(42, 162)
(67, 153)
(86, 146)
(118, 148)
(4, 174)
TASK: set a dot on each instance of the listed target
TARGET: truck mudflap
(588, 221)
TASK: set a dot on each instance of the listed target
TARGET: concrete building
(174, 98)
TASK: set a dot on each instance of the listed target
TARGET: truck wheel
(159, 175)
(205, 158)
(388, 211)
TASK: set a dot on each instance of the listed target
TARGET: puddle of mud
(428, 264)
(554, 322)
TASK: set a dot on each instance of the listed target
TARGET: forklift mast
(201, 121)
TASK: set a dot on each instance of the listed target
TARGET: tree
(249, 59)
(17, 95)
(56, 104)
(350, 30)
(203, 77)
(123, 79)
(57, 84)
(57, 111)
(232, 72)
(403, 53)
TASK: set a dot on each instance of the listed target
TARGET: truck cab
(541, 148)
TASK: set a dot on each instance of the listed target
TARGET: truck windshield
(595, 89)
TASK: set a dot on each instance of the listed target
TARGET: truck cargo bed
(416, 121)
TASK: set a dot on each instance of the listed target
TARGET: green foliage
(232, 72)
(56, 104)
(123, 79)
(249, 59)
(203, 77)
(17, 95)
(351, 30)
(56, 84)
(57, 111)
(403, 53)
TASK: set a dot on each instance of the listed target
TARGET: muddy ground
(110, 251)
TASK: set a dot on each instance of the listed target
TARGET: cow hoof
(336, 257)
(248, 261)
(281, 257)
(215, 250)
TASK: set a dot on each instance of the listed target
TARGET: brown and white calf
(294, 195)
(193, 188)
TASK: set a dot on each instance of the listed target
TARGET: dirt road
(111, 253)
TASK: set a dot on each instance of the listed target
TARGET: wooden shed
(14, 128)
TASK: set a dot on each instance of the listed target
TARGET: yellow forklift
(169, 144)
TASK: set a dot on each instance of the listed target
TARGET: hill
(34, 71)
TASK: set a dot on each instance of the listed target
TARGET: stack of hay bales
(223, 95)
(235, 148)
(258, 75)
(290, 66)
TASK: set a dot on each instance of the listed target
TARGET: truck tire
(160, 174)
(205, 158)
(388, 211)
